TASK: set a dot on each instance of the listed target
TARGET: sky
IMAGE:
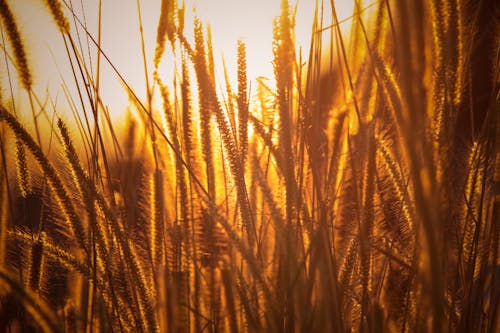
(230, 20)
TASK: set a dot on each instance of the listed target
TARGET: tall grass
(360, 193)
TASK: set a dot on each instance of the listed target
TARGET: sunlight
(252, 22)
(336, 176)
(229, 20)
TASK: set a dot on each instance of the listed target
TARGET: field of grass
(357, 190)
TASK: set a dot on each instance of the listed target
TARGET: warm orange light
(229, 20)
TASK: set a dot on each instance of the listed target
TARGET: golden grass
(355, 195)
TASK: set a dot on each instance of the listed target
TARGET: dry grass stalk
(16, 43)
(52, 177)
(166, 28)
(22, 171)
(242, 100)
(57, 12)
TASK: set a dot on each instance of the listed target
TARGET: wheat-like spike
(347, 269)
(69, 261)
(145, 293)
(50, 173)
(181, 16)
(184, 42)
(283, 69)
(338, 157)
(37, 263)
(58, 15)
(82, 179)
(84, 186)
(380, 26)
(116, 294)
(23, 176)
(132, 260)
(242, 101)
(65, 258)
(367, 217)
(157, 218)
(439, 42)
(16, 43)
(45, 318)
(54, 252)
(87, 191)
(397, 182)
(470, 207)
(390, 88)
(180, 173)
(154, 247)
(356, 45)
(236, 166)
(79, 176)
(205, 108)
(188, 139)
(210, 55)
(4, 202)
(137, 272)
(454, 50)
(166, 28)
(440, 46)
(230, 99)
(187, 115)
(276, 214)
(461, 51)
(284, 58)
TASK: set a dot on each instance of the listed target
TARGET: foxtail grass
(358, 192)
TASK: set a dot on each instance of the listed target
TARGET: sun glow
(120, 40)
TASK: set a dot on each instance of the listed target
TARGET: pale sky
(230, 20)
